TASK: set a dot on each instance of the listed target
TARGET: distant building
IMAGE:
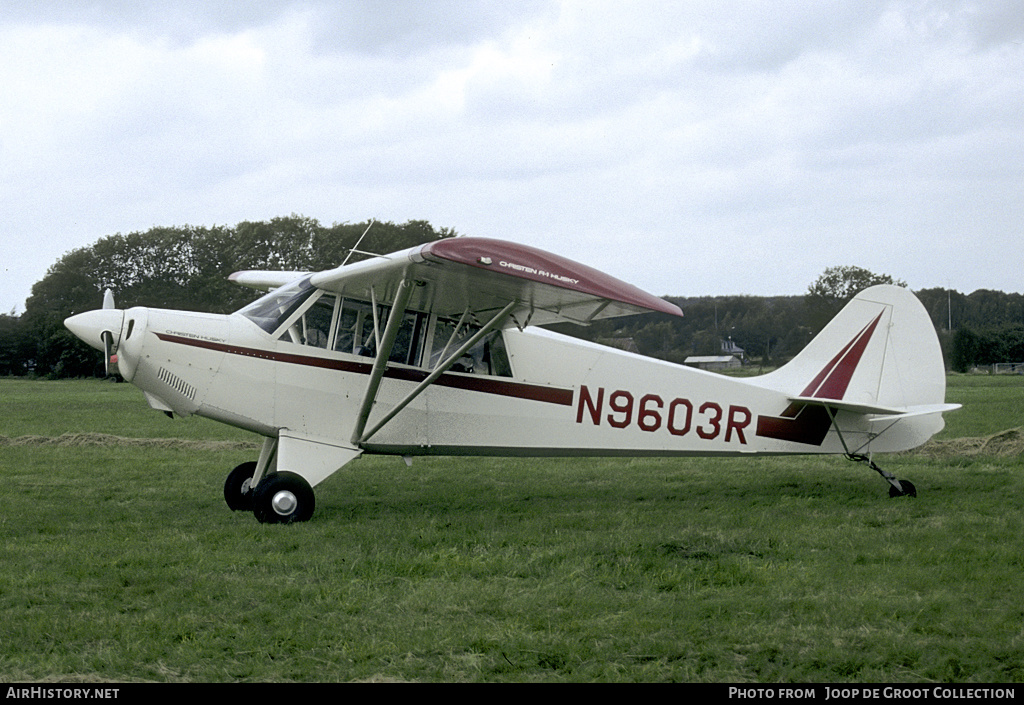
(713, 362)
(731, 348)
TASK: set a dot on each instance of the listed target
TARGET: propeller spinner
(100, 328)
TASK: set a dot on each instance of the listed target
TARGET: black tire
(237, 492)
(283, 498)
(908, 489)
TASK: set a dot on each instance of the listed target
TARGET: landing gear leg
(240, 485)
(897, 488)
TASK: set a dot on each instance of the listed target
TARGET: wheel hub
(284, 503)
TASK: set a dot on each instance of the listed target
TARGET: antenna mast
(357, 244)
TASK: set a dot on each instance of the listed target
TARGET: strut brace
(860, 457)
(360, 435)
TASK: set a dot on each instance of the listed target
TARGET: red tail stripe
(820, 378)
(832, 381)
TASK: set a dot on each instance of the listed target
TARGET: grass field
(120, 562)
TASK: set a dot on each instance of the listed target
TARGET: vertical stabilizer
(881, 350)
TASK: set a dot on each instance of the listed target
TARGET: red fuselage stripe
(487, 385)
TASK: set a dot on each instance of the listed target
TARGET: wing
(264, 279)
(481, 275)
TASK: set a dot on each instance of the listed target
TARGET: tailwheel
(238, 487)
(907, 489)
(283, 498)
(897, 487)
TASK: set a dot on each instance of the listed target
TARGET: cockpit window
(313, 327)
(273, 309)
(300, 313)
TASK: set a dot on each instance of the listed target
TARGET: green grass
(52, 408)
(123, 563)
(992, 403)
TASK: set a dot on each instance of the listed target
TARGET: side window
(408, 348)
(446, 341)
(487, 357)
(313, 326)
(348, 326)
(497, 355)
(355, 329)
(316, 322)
(356, 336)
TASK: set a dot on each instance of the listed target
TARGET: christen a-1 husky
(435, 351)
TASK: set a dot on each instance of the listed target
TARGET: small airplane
(436, 350)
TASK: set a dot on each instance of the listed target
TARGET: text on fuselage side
(194, 336)
(651, 412)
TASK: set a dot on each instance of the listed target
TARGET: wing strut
(432, 377)
(380, 364)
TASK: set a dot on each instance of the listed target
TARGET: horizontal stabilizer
(922, 410)
(856, 408)
(888, 413)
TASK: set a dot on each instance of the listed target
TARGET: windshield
(271, 310)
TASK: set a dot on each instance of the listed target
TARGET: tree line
(184, 268)
(187, 268)
(975, 329)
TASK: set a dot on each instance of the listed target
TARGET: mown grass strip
(121, 562)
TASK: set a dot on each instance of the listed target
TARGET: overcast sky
(699, 147)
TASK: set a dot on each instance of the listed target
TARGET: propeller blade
(108, 337)
(108, 344)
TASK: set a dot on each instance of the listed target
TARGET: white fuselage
(564, 396)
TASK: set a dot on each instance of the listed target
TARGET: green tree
(966, 350)
(187, 268)
(15, 347)
(986, 346)
(69, 287)
(827, 294)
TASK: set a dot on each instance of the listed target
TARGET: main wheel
(238, 487)
(283, 498)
